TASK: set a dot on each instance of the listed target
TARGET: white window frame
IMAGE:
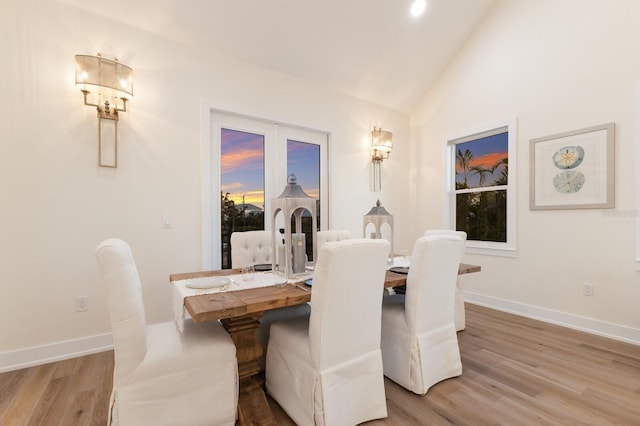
(494, 248)
(275, 175)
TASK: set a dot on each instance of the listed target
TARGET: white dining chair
(162, 376)
(331, 235)
(326, 368)
(250, 247)
(459, 316)
(419, 341)
(254, 247)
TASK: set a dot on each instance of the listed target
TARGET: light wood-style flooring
(516, 371)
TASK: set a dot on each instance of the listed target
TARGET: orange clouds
(243, 158)
(486, 161)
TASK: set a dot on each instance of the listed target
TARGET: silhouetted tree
(483, 215)
(234, 218)
(464, 161)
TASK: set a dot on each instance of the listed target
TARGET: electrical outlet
(167, 221)
(587, 289)
(82, 303)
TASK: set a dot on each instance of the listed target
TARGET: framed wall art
(573, 170)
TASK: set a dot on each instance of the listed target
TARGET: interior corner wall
(557, 65)
(57, 204)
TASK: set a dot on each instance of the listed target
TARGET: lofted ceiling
(371, 49)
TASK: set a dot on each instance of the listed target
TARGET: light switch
(167, 221)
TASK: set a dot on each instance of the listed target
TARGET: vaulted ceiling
(371, 49)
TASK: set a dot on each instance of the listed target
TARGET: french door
(248, 161)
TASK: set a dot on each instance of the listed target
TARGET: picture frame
(573, 170)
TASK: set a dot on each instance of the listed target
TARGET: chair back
(331, 236)
(346, 301)
(430, 232)
(250, 247)
(431, 282)
(126, 307)
(459, 315)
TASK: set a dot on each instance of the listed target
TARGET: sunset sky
(303, 160)
(486, 153)
(242, 166)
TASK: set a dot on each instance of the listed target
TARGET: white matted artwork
(573, 170)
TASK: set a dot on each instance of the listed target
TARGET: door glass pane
(303, 160)
(241, 186)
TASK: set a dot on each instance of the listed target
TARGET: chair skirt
(348, 394)
(417, 362)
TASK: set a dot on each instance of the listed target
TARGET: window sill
(493, 250)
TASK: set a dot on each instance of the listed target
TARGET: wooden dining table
(240, 311)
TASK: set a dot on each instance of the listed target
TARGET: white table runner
(179, 289)
(400, 261)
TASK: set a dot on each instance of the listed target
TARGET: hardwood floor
(70, 392)
(516, 371)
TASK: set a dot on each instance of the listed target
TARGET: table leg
(253, 408)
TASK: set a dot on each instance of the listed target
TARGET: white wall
(57, 205)
(557, 65)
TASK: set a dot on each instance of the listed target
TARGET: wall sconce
(106, 85)
(381, 146)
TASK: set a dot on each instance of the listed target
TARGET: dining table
(239, 311)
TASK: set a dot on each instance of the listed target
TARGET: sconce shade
(104, 80)
(381, 144)
(107, 85)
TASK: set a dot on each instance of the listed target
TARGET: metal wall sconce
(107, 85)
(381, 146)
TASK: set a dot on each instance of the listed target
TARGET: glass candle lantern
(293, 202)
(378, 217)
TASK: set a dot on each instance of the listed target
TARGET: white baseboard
(37, 355)
(44, 354)
(576, 322)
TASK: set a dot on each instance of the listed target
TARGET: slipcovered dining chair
(459, 316)
(330, 236)
(326, 368)
(162, 376)
(419, 341)
(254, 247)
(250, 247)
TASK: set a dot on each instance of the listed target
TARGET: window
(482, 188)
(245, 164)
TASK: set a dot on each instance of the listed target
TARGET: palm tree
(504, 174)
(464, 161)
(482, 172)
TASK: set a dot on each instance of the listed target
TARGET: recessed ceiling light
(418, 7)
